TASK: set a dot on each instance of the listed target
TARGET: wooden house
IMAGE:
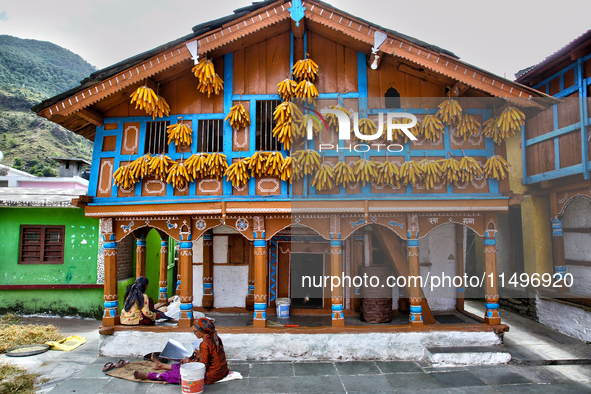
(246, 240)
(556, 172)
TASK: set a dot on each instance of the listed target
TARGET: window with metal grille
(265, 124)
(210, 136)
(156, 137)
(41, 245)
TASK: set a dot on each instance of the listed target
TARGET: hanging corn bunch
(161, 108)
(432, 172)
(178, 176)
(300, 129)
(467, 126)
(180, 133)
(209, 81)
(449, 111)
(450, 170)
(509, 122)
(323, 178)
(344, 174)
(273, 164)
(432, 128)
(411, 172)
(306, 91)
(140, 167)
(306, 162)
(365, 171)
(305, 69)
(398, 135)
(257, 162)
(238, 117)
(238, 173)
(197, 165)
(159, 166)
(285, 170)
(124, 177)
(469, 167)
(366, 127)
(287, 116)
(491, 129)
(286, 89)
(332, 119)
(216, 165)
(388, 174)
(146, 99)
(496, 167)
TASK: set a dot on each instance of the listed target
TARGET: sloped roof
(38, 197)
(525, 75)
(248, 20)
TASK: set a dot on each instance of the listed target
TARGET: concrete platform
(467, 355)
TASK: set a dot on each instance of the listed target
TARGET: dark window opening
(156, 138)
(265, 124)
(211, 136)
(41, 245)
(67, 164)
(304, 265)
(392, 98)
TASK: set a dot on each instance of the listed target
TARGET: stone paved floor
(79, 371)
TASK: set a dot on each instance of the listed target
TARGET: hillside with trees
(30, 72)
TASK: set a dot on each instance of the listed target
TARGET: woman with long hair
(138, 308)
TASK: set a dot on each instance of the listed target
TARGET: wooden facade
(556, 141)
(254, 52)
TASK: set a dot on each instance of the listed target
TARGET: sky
(501, 36)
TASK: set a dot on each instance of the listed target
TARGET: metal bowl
(27, 350)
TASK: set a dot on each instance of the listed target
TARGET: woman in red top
(211, 353)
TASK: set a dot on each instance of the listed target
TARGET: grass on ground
(16, 380)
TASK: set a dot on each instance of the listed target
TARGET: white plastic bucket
(192, 377)
(282, 305)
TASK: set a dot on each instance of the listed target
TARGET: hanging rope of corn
(180, 133)
(178, 175)
(197, 165)
(209, 81)
(365, 171)
(216, 165)
(411, 172)
(388, 173)
(159, 166)
(344, 174)
(449, 111)
(323, 178)
(286, 89)
(238, 173)
(467, 126)
(238, 117)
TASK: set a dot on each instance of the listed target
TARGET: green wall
(80, 249)
(69, 302)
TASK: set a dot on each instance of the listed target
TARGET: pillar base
(340, 323)
(259, 323)
(492, 321)
(417, 323)
(111, 321)
(207, 301)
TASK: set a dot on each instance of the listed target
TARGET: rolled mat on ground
(67, 344)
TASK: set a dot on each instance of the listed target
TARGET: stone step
(467, 355)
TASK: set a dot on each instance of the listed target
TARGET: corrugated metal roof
(37, 197)
(529, 71)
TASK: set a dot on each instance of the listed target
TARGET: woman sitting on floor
(138, 308)
(211, 353)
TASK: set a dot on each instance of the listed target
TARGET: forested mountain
(30, 72)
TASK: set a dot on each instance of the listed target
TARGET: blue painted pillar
(336, 270)
(163, 277)
(414, 281)
(260, 273)
(186, 270)
(558, 246)
(492, 315)
(111, 315)
(208, 270)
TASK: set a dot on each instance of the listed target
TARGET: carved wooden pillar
(250, 295)
(111, 315)
(336, 270)
(460, 265)
(358, 253)
(186, 272)
(140, 257)
(492, 315)
(557, 239)
(163, 279)
(414, 265)
(260, 273)
(208, 269)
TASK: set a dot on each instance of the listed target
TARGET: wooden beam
(422, 74)
(298, 31)
(459, 89)
(584, 230)
(394, 252)
(92, 116)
